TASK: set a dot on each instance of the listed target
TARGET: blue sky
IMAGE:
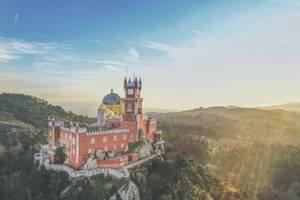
(189, 53)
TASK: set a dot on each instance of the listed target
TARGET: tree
(60, 155)
(140, 134)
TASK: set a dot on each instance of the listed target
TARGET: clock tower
(133, 110)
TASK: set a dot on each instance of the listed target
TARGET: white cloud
(259, 66)
(12, 49)
(133, 54)
(199, 32)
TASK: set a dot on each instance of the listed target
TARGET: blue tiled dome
(111, 99)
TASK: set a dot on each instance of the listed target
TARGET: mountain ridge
(292, 107)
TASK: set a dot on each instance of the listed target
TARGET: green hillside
(24, 118)
(33, 110)
(257, 151)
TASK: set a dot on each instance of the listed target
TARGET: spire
(111, 91)
(125, 83)
(135, 81)
(140, 83)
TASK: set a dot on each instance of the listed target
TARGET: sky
(189, 53)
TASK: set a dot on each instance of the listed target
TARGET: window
(130, 91)
(73, 151)
(124, 137)
(122, 145)
(104, 139)
(90, 151)
(93, 140)
(73, 141)
(129, 107)
(115, 146)
(115, 138)
(105, 148)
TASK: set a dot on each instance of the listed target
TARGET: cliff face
(128, 192)
(144, 150)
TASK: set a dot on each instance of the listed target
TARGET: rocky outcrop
(144, 150)
(91, 163)
(127, 192)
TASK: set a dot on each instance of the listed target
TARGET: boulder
(127, 192)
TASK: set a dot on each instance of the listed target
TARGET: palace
(120, 123)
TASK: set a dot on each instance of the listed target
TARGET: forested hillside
(257, 151)
(24, 118)
(23, 127)
(213, 153)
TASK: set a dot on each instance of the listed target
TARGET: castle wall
(114, 163)
(80, 144)
(68, 139)
(132, 126)
(151, 130)
(88, 144)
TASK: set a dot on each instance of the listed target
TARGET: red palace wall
(117, 142)
(132, 126)
(87, 144)
(151, 130)
(150, 127)
(68, 139)
(142, 124)
(115, 163)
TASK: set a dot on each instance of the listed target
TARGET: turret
(101, 117)
(140, 84)
(77, 127)
(125, 83)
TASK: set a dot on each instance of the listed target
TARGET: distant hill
(245, 123)
(159, 110)
(293, 107)
(23, 117)
(34, 111)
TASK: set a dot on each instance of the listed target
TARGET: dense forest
(256, 151)
(213, 153)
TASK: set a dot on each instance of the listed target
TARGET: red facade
(115, 137)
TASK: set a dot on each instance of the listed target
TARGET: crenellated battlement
(56, 123)
(74, 129)
(84, 130)
(109, 131)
